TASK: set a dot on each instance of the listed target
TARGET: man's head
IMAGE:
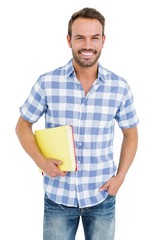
(90, 13)
(86, 36)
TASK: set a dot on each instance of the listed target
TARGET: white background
(33, 41)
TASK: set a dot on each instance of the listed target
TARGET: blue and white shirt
(60, 96)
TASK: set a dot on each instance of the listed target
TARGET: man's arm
(27, 140)
(128, 151)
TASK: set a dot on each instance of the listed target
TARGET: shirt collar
(103, 73)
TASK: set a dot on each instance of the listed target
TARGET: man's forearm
(27, 140)
(128, 150)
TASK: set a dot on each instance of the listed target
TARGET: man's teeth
(87, 53)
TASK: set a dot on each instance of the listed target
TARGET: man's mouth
(86, 53)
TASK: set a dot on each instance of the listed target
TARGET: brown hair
(91, 13)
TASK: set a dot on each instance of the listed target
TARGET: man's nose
(87, 44)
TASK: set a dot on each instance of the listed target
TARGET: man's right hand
(50, 167)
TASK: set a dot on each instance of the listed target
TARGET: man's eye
(97, 38)
(78, 38)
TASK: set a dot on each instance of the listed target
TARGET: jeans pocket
(111, 196)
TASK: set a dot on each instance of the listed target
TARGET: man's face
(86, 41)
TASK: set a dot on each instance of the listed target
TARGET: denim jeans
(61, 222)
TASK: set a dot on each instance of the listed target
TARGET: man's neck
(86, 75)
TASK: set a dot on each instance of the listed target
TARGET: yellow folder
(58, 143)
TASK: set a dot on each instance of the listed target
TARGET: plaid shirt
(60, 96)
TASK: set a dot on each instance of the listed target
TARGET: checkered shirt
(60, 97)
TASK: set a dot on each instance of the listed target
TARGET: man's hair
(90, 13)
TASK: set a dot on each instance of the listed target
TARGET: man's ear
(103, 39)
(69, 41)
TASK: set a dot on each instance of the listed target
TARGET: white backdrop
(33, 41)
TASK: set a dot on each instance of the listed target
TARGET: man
(90, 98)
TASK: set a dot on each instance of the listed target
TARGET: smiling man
(86, 40)
(91, 99)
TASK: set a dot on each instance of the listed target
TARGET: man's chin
(86, 63)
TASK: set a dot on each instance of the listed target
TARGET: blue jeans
(61, 222)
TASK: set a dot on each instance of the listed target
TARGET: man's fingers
(104, 187)
(57, 162)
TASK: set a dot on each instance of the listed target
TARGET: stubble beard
(86, 62)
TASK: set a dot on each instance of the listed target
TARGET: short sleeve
(126, 115)
(35, 105)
